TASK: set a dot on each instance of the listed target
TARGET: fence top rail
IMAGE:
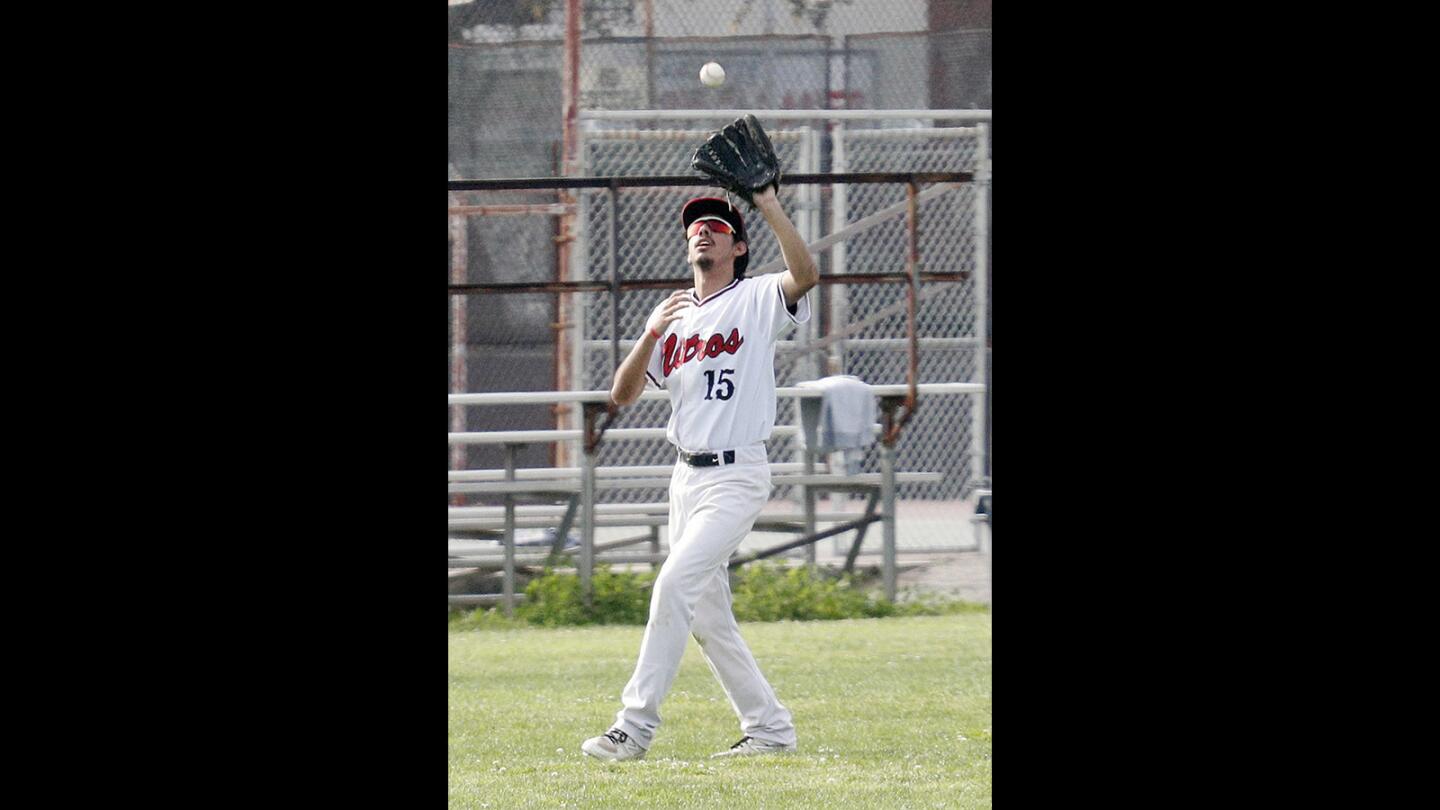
(573, 485)
(783, 115)
(546, 510)
(657, 517)
(618, 434)
(624, 181)
(909, 132)
(631, 471)
(547, 397)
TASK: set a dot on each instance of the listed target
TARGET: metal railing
(596, 402)
(899, 402)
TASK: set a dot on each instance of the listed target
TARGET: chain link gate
(945, 434)
(652, 246)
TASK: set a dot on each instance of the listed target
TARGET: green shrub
(768, 592)
(553, 600)
(482, 619)
(763, 592)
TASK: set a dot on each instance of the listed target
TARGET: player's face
(710, 242)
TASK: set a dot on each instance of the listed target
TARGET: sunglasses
(716, 226)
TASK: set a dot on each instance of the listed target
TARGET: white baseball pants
(711, 511)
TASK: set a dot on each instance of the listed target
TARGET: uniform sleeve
(772, 304)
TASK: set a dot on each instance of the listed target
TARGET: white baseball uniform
(718, 363)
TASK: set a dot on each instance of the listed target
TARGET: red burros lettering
(675, 356)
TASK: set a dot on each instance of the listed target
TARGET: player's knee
(668, 589)
(702, 630)
(676, 596)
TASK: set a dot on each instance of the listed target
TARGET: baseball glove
(740, 158)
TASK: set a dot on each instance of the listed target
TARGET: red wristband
(654, 334)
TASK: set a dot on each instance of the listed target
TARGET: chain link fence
(942, 435)
(505, 102)
(652, 246)
(505, 121)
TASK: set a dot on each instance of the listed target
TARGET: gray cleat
(749, 746)
(613, 746)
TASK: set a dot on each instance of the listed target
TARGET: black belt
(706, 459)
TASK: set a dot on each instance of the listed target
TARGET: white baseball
(712, 75)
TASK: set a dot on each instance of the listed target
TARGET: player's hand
(671, 309)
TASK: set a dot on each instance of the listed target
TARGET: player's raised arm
(801, 273)
(630, 377)
(742, 160)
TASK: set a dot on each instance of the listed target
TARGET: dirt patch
(964, 575)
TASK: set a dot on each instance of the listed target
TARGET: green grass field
(890, 712)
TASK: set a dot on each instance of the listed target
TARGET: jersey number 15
(719, 388)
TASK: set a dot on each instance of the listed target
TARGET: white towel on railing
(847, 410)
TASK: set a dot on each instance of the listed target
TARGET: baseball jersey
(718, 364)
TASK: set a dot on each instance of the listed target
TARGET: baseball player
(713, 349)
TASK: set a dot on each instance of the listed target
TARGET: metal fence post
(459, 334)
(979, 440)
(591, 449)
(887, 490)
(587, 541)
(888, 436)
(508, 587)
(809, 489)
(839, 218)
(614, 262)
